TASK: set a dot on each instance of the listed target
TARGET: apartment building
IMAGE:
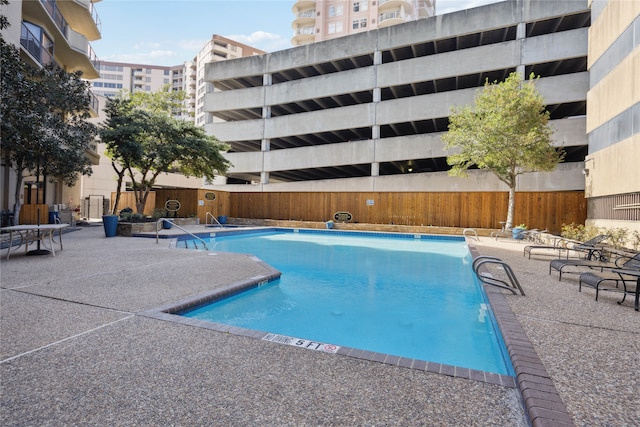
(187, 77)
(366, 112)
(613, 115)
(215, 50)
(118, 76)
(318, 20)
(46, 31)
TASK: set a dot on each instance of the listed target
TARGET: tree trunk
(119, 188)
(18, 204)
(511, 208)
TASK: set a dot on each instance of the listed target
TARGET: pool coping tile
(541, 400)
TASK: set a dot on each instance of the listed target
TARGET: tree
(43, 114)
(146, 140)
(124, 127)
(506, 131)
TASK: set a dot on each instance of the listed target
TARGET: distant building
(187, 77)
(118, 76)
(51, 31)
(318, 20)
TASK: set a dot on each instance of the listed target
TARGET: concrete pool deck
(76, 349)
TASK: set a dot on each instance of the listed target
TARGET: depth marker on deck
(299, 342)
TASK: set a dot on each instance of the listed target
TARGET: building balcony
(304, 19)
(301, 5)
(71, 49)
(82, 17)
(387, 19)
(303, 35)
(390, 5)
(94, 105)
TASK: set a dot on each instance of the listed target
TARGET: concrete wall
(613, 112)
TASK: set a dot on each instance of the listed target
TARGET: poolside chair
(560, 264)
(566, 245)
(594, 280)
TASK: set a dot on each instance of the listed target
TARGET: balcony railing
(305, 30)
(389, 15)
(56, 16)
(94, 15)
(94, 103)
(306, 14)
(33, 45)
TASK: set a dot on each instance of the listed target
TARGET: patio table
(34, 233)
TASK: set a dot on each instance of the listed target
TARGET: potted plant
(518, 231)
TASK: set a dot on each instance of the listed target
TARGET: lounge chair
(560, 264)
(594, 280)
(561, 245)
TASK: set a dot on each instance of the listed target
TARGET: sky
(170, 32)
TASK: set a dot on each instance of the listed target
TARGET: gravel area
(75, 350)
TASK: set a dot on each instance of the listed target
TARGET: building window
(335, 27)
(359, 23)
(166, 72)
(336, 10)
(359, 6)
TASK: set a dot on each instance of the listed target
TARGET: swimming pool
(408, 296)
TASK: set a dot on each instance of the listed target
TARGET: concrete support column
(375, 169)
(264, 177)
(377, 57)
(377, 94)
(375, 132)
(521, 33)
(266, 144)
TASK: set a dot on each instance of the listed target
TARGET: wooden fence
(543, 210)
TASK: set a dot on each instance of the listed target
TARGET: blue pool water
(415, 298)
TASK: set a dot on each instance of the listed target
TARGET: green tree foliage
(43, 114)
(506, 131)
(145, 140)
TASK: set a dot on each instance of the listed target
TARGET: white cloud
(146, 45)
(192, 45)
(262, 40)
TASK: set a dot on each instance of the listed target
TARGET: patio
(75, 349)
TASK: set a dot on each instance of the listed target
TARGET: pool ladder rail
(196, 238)
(485, 277)
(206, 219)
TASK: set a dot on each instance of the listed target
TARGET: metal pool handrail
(177, 226)
(206, 219)
(515, 285)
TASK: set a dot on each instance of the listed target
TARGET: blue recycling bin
(222, 219)
(53, 217)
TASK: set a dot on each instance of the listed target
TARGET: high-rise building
(317, 20)
(116, 77)
(48, 31)
(188, 77)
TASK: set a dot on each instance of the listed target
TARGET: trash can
(53, 217)
(222, 219)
